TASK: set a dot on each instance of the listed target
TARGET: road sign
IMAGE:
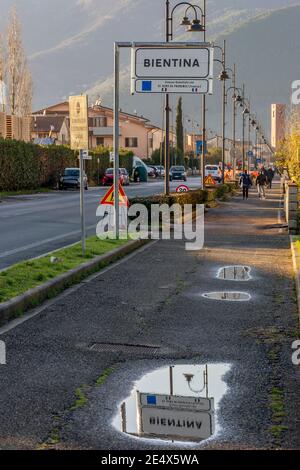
(112, 157)
(109, 198)
(209, 181)
(177, 402)
(169, 69)
(250, 154)
(182, 189)
(85, 155)
(196, 425)
(173, 86)
(79, 128)
(199, 146)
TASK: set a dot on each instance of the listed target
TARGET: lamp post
(196, 25)
(223, 77)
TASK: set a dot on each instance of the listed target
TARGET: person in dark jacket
(270, 176)
(261, 183)
(245, 183)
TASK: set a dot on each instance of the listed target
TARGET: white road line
(42, 242)
(33, 313)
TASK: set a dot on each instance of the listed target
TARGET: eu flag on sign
(146, 85)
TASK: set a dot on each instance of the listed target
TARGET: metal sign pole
(82, 211)
(116, 139)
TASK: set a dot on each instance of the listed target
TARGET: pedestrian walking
(270, 176)
(245, 183)
(261, 183)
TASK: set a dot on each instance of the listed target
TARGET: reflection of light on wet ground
(234, 273)
(228, 296)
(176, 404)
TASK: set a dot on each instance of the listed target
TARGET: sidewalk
(155, 298)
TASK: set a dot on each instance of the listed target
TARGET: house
(54, 128)
(135, 131)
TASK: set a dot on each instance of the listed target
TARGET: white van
(214, 172)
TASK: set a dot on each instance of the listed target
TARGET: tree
(2, 75)
(179, 127)
(288, 153)
(18, 74)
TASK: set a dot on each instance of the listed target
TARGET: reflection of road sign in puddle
(234, 273)
(166, 404)
(228, 296)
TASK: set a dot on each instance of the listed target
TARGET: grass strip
(26, 275)
(24, 192)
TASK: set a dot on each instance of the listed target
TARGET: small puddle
(228, 296)
(234, 273)
(178, 404)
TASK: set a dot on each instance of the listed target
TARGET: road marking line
(19, 321)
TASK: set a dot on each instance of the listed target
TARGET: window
(100, 121)
(131, 142)
(99, 141)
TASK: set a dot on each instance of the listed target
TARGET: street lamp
(189, 378)
(195, 25)
(223, 77)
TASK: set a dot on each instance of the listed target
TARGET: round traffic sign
(182, 189)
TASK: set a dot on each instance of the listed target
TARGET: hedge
(26, 166)
(193, 197)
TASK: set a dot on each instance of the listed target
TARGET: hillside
(70, 43)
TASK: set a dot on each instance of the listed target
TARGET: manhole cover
(228, 296)
(125, 348)
(235, 273)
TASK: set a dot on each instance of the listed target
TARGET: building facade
(278, 124)
(136, 132)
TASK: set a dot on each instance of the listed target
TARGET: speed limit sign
(182, 189)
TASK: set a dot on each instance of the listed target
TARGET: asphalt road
(37, 224)
(155, 297)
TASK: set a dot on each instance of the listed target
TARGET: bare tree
(19, 77)
(2, 75)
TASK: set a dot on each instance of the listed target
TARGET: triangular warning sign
(209, 181)
(109, 198)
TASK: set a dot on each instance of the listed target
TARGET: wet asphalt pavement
(155, 298)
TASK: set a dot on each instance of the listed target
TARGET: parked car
(177, 173)
(152, 172)
(71, 179)
(160, 170)
(108, 178)
(213, 171)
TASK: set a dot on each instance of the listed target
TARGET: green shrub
(26, 166)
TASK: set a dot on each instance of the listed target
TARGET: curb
(296, 264)
(18, 305)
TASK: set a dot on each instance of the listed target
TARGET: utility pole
(167, 109)
(224, 114)
(203, 115)
(243, 130)
(234, 123)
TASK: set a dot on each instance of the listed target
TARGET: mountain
(70, 43)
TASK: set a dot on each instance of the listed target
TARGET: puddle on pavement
(178, 404)
(228, 296)
(234, 273)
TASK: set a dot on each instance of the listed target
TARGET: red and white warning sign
(109, 198)
(182, 189)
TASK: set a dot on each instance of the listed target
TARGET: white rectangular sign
(79, 127)
(172, 69)
(177, 402)
(177, 423)
(174, 86)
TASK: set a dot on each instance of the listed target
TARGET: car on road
(160, 170)
(178, 173)
(108, 178)
(152, 171)
(71, 179)
(213, 171)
